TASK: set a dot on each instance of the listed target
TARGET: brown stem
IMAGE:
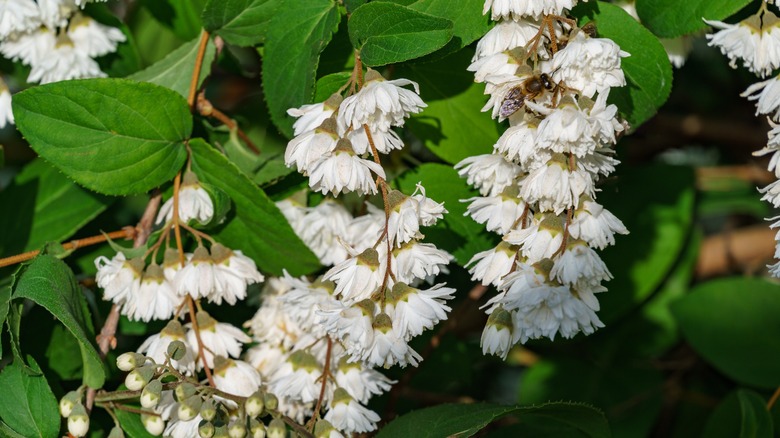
(773, 399)
(383, 186)
(124, 233)
(324, 377)
(204, 39)
(201, 348)
(176, 225)
(206, 109)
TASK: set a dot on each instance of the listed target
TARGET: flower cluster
(756, 40)
(551, 80)
(318, 341)
(56, 40)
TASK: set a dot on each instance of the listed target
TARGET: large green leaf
(182, 17)
(175, 70)
(452, 126)
(49, 282)
(48, 207)
(28, 406)
(386, 33)
(113, 136)
(257, 228)
(464, 420)
(240, 22)
(672, 18)
(296, 37)
(733, 324)
(648, 71)
(742, 414)
(456, 233)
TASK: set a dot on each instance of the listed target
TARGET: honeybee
(529, 89)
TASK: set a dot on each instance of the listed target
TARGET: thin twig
(324, 377)
(124, 233)
(204, 39)
(206, 109)
(773, 399)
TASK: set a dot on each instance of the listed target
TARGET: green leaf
(28, 406)
(659, 219)
(296, 37)
(673, 18)
(48, 207)
(452, 126)
(648, 71)
(387, 33)
(175, 70)
(469, 24)
(464, 420)
(131, 424)
(5, 301)
(330, 84)
(113, 136)
(742, 414)
(59, 353)
(456, 233)
(240, 22)
(49, 282)
(258, 228)
(182, 17)
(732, 323)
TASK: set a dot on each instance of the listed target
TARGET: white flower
(416, 260)
(494, 67)
(416, 310)
(595, 224)
(589, 64)
(364, 231)
(489, 173)
(506, 35)
(17, 16)
(360, 382)
(771, 193)
(387, 348)
(403, 224)
(63, 61)
(118, 277)
(311, 116)
(324, 228)
(294, 212)
(194, 203)
(156, 347)
(380, 104)
(55, 13)
(767, 95)
(196, 278)
(579, 265)
(92, 38)
(29, 48)
(233, 272)
(271, 323)
(236, 377)
(352, 325)
(297, 378)
(342, 170)
(497, 336)
(744, 40)
(499, 213)
(428, 210)
(309, 146)
(518, 144)
(678, 49)
(492, 265)
(384, 141)
(266, 358)
(554, 187)
(6, 111)
(219, 339)
(303, 299)
(356, 278)
(511, 9)
(539, 240)
(153, 298)
(349, 416)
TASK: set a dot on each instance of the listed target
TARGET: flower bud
(206, 429)
(277, 429)
(270, 401)
(184, 391)
(208, 410)
(150, 396)
(221, 432)
(116, 432)
(139, 377)
(78, 421)
(237, 430)
(254, 405)
(256, 429)
(129, 361)
(189, 408)
(177, 350)
(68, 402)
(153, 424)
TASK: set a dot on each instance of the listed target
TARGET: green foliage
(48, 207)
(113, 136)
(182, 17)
(468, 22)
(386, 33)
(464, 420)
(742, 414)
(28, 407)
(648, 71)
(132, 425)
(240, 22)
(673, 18)
(257, 226)
(296, 37)
(738, 341)
(175, 70)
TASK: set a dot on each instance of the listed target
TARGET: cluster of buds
(550, 79)
(756, 42)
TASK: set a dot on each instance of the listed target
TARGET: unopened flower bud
(237, 430)
(153, 424)
(189, 408)
(208, 410)
(116, 432)
(177, 350)
(78, 421)
(254, 404)
(68, 402)
(129, 361)
(277, 429)
(139, 377)
(184, 391)
(150, 396)
(206, 429)
(270, 401)
(221, 432)
(256, 429)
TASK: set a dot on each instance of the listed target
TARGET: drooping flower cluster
(538, 187)
(756, 40)
(318, 341)
(55, 39)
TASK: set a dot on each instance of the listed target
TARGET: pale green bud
(177, 350)
(68, 402)
(150, 396)
(206, 429)
(237, 430)
(139, 377)
(153, 424)
(254, 405)
(277, 429)
(184, 391)
(116, 432)
(78, 421)
(256, 429)
(208, 410)
(270, 401)
(189, 408)
(129, 361)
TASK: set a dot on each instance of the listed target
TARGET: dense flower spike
(551, 80)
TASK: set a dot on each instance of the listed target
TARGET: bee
(529, 89)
